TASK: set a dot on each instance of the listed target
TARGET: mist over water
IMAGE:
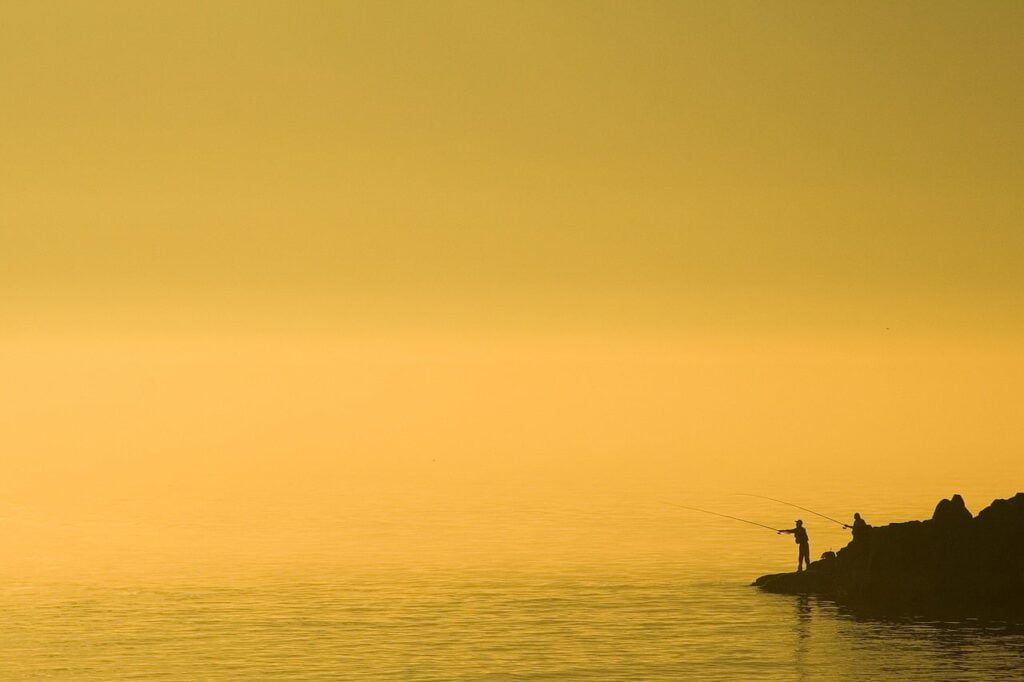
(261, 508)
(503, 584)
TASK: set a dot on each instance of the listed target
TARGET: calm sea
(601, 589)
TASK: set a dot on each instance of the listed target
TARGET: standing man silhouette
(800, 535)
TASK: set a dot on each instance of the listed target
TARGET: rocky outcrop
(953, 564)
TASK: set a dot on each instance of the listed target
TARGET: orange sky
(305, 251)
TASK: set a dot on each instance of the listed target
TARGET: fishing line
(797, 506)
(724, 516)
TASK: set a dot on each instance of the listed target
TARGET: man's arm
(787, 530)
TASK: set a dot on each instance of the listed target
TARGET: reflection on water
(650, 624)
(802, 631)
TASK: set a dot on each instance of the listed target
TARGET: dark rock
(953, 564)
(951, 511)
(817, 578)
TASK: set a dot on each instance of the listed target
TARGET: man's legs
(805, 557)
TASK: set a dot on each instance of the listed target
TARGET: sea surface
(613, 589)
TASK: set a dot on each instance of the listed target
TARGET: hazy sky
(730, 163)
(263, 253)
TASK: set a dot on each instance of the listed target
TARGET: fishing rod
(724, 516)
(797, 506)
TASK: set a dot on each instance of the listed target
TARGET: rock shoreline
(953, 565)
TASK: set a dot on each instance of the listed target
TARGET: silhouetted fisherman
(800, 535)
(859, 527)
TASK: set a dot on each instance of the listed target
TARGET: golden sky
(744, 164)
(305, 249)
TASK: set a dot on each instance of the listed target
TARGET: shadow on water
(885, 645)
(930, 621)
